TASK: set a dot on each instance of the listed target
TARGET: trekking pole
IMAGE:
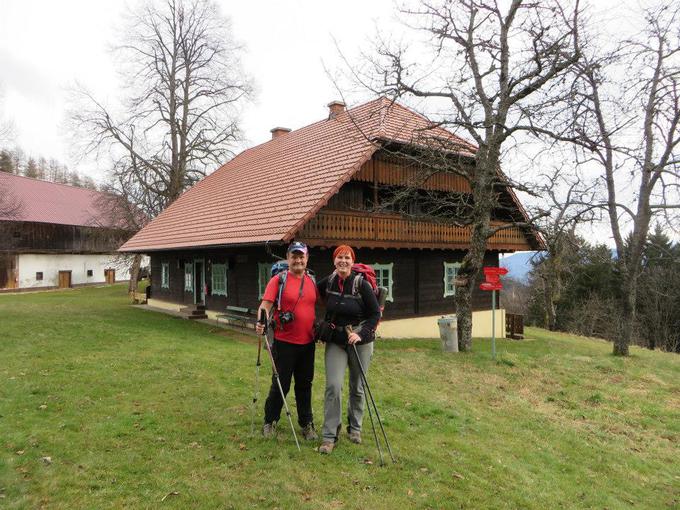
(370, 413)
(256, 390)
(370, 394)
(263, 321)
(375, 434)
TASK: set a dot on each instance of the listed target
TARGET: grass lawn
(104, 405)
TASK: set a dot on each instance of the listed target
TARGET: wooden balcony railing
(390, 231)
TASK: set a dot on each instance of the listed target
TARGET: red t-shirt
(301, 329)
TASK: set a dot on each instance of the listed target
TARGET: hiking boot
(269, 430)
(355, 437)
(326, 447)
(309, 433)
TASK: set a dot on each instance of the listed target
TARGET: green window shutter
(189, 276)
(383, 275)
(263, 271)
(165, 275)
(219, 280)
(450, 274)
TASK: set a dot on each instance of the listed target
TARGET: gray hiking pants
(337, 359)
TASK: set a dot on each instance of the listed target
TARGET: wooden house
(318, 184)
(56, 236)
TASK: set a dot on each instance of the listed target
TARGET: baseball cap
(298, 246)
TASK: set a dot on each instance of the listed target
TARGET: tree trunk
(464, 316)
(549, 302)
(134, 273)
(472, 264)
(623, 340)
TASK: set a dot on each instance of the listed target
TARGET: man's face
(297, 262)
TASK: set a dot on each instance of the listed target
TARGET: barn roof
(268, 192)
(26, 199)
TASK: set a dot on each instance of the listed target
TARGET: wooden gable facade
(348, 216)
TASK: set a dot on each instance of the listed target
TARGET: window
(39, 275)
(383, 276)
(89, 272)
(165, 275)
(188, 276)
(263, 277)
(219, 279)
(450, 274)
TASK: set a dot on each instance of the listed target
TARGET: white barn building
(57, 236)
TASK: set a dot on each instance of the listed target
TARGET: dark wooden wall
(23, 236)
(418, 277)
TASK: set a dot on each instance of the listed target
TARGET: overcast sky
(48, 46)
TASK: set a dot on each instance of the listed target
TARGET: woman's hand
(353, 338)
(259, 328)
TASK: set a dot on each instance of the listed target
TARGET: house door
(64, 279)
(8, 268)
(110, 276)
(199, 282)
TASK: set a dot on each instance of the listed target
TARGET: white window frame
(390, 270)
(214, 291)
(263, 277)
(450, 284)
(165, 275)
(189, 277)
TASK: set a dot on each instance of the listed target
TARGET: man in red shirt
(293, 347)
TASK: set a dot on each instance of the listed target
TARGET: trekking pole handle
(349, 331)
(263, 320)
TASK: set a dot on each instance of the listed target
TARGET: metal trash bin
(448, 331)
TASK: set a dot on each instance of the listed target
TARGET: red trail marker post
(493, 283)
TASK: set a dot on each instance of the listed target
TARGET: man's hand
(262, 315)
(353, 338)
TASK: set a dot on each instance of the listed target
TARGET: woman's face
(343, 264)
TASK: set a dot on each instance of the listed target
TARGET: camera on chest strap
(286, 317)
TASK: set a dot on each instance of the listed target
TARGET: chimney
(279, 131)
(335, 108)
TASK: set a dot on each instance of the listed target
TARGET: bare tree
(493, 72)
(6, 127)
(11, 206)
(570, 201)
(626, 117)
(180, 116)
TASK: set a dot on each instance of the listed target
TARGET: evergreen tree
(6, 163)
(32, 170)
(658, 311)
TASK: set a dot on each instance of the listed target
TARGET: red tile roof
(268, 192)
(48, 202)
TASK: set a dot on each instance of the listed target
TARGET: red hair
(343, 248)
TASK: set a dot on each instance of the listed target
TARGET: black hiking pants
(292, 360)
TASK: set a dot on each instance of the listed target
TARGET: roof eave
(122, 249)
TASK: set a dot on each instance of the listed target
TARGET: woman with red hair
(352, 313)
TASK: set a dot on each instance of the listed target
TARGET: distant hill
(518, 264)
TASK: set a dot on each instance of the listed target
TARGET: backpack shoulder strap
(329, 282)
(356, 283)
(283, 276)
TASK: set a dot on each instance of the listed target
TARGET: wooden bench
(514, 326)
(244, 317)
(138, 298)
